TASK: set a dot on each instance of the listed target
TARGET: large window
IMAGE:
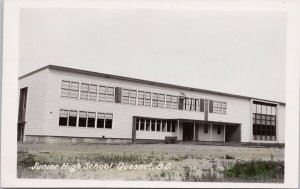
(63, 117)
(91, 119)
(93, 92)
(220, 107)
(65, 89)
(106, 94)
(104, 120)
(74, 93)
(72, 118)
(82, 119)
(264, 121)
(157, 125)
(84, 91)
(125, 96)
(155, 100)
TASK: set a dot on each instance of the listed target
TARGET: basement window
(72, 118)
(82, 119)
(63, 117)
(91, 119)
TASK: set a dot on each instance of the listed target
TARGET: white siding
(45, 103)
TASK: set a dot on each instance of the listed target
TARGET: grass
(187, 166)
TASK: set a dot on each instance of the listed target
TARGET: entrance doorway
(22, 113)
(188, 132)
(233, 133)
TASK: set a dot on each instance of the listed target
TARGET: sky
(241, 53)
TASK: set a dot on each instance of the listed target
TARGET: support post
(178, 129)
(134, 129)
(194, 133)
(224, 133)
(210, 132)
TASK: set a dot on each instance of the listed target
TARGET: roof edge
(143, 81)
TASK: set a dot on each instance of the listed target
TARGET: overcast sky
(234, 52)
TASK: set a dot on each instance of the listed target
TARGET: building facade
(64, 104)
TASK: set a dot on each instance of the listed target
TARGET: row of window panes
(155, 125)
(85, 119)
(264, 109)
(87, 91)
(264, 132)
(220, 107)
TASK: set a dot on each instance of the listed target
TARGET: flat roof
(143, 81)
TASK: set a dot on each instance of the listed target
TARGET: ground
(159, 162)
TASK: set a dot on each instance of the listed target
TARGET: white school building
(59, 104)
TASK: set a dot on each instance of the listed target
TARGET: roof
(143, 81)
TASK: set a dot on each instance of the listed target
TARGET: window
(154, 100)
(147, 99)
(91, 119)
(192, 101)
(168, 101)
(147, 124)
(153, 125)
(137, 124)
(63, 117)
(174, 102)
(205, 128)
(197, 105)
(108, 121)
(215, 107)
(110, 94)
(141, 98)
(219, 129)
(93, 92)
(211, 106)
(264, 122)
(158, 125)
(102, 93)
(142, 124)
(100, 120)
(224, 107)
(201, 105)
(65, 89)
(163, 126)
(72, 118)
(161, 102)
(132, 97)
(169, 126)
(74, 93)
(82, 119)
(125, 96)
(84, 91)
(174, 123)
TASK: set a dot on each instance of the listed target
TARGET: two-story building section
(59, 104)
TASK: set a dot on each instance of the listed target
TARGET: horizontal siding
(238, 110)
(36, 101)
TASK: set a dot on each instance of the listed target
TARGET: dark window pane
(158, 124)
(100, 123)
(142, 125)
(201, 105)
(137, 124)
(219, 129)
(211, 106)
(72, 121)
(91, 122)
(108, 123)
(63, 121)
(152, 125)
(174, 124)
(169, 126)
(82, 122)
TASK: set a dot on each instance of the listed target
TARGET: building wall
(36, 102)
(49, 104)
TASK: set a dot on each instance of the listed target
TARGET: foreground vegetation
(186, 167)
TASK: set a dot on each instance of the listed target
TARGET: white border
(10, 85)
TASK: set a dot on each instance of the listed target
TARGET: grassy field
(152, 162)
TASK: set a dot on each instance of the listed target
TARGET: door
(188, 131)
(22, 113)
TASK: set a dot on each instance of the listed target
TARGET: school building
(59, 104)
